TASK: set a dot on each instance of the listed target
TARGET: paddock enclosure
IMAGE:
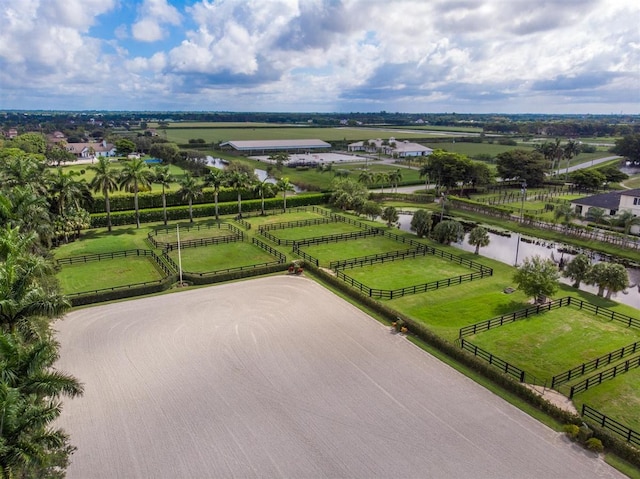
(278, 377)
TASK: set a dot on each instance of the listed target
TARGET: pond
(260, 174)
(503, 249)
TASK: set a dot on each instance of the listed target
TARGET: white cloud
(152, 16)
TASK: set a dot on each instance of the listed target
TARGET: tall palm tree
(105, 181)
(382, 177)
(238, 180)
(571, 149)
(597, 215)
(190, 190)
(215, 179)
(395, 177)
(30, 212)
(263, 188)
(565, 213)
(627, 220)
(134, 177)
(284, 185)
(366, 177)
(67, 191)
(163, 177)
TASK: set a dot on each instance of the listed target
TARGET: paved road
(279, 378)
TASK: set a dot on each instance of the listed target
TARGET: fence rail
(281, 257)
(416, 289)
(501, 364)
(605, 375)
(102, 256)
(235, 233)
(390, 254)
(195, 243)
(606, 422)
(594, 364)
(612, 315)
(320, 239)
(296, 224)
(245, 224)
(512, 317)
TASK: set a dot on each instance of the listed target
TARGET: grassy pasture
(618, 398)
(552, 342)
(257, 221)
(210, 135)
(313, 231)
(193, 233)
(325, 253)
(107, 273)
(407, 272)
(205, 259)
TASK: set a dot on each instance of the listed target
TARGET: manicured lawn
(313, 231)
(407, 272)
(472, 149)
(618, 398)
(218, 257)
(353, 248)
(210, 230)
(107, 273)
(257, 221)
(550, 343)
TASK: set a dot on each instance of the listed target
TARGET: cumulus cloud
(468, 55)
(152, 16)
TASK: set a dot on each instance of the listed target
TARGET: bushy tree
(629, 147)
(125, 146)
(372, 209)
(577, 269)
(478, 237)
(522, 165)
(612, 277)
(537, 277)
(588, 179)
(390, 215)
(421, 223)
(167, 152)
(448, 231)
(345, 190)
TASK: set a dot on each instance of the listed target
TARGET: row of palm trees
(136, 177)
(368, 178)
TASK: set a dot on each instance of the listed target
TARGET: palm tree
(284, 185)
(190, 190)
(163, 177)
(134, 177)
(571, 149)
(105, 181)
(596, 215)
(382, 177)
(215, 179)
(238, 180)
(67, 191)
(478, 237)
(395, 177)
(626, 219)
(565, 213)
(263, 188)
(366, 177)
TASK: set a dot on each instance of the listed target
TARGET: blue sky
(467, 56)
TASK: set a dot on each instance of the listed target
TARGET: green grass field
(354, 248)
(618, 398)
(313, 231)
(107, 273)
(550, 343)
(219, 257)
(407, 272)
(257, 221)
(170, 235)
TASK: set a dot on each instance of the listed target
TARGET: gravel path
(278, 377)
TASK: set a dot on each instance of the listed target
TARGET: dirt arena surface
(279, 378)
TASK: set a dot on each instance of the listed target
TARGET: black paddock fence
(343, 263)
(605, 375)
(319, 239)
(244, 223)
(629, 321)
(235, 234)
(495, 361)
(296, 224)
(626, 433)
(594, 364)
(122, 291)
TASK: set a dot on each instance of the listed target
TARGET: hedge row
(199, 211)
(234, 275)
(620, 448)
(122, 293)
(149, 199)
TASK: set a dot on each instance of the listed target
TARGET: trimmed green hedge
(122, 293)
(174, 213)
(246, 273)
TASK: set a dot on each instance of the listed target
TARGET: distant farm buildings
(261, 147)
(393, 147)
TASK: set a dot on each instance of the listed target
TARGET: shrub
(594, 444)
(571, 430)
(584, 433)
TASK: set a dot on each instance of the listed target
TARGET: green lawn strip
(257, 221)
(550, 343)
(107, 273)
(407, 272)
(353, 248)
(618, 398)
(313, 231)
(218, 257)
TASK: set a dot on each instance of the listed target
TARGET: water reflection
(503, 249)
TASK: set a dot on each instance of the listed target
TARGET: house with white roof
(393, 147)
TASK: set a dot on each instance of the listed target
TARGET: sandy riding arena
(279, 378)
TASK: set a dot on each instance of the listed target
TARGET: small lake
(503, 249)
(260, 174)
